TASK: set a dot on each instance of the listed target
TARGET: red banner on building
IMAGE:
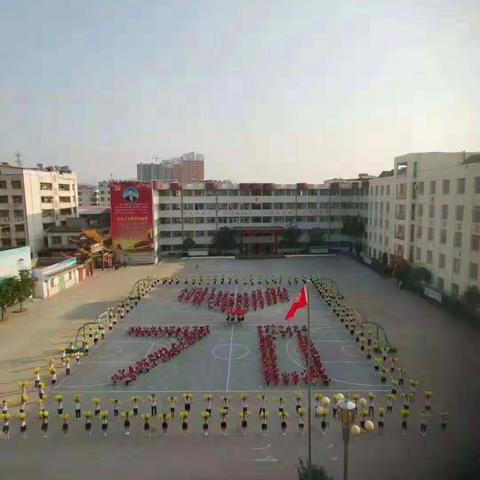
(132, 216)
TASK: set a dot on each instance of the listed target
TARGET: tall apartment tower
(190, 167)
(426, 211)
(33, 200)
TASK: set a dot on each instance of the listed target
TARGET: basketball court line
(229, 359)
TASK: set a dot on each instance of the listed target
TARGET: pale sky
(280, 91)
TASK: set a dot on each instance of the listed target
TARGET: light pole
(347, 415)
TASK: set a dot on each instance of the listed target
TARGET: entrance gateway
(258, 241)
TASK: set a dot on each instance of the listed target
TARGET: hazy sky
(279, 91)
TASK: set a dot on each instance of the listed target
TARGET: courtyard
(442, 352)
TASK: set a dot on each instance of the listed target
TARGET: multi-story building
(88, 195)
(187, 168)
(103, 188)
(427, 211)
(32, 200)
(258, 213)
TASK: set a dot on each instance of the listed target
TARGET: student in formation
(104, 417)
(76, 407)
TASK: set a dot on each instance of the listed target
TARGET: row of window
(7, 242)
(263, 193)
(15, 184)
(16, 199)
(259, 206)
(16, 228)
(224, 220)
(419, 187)
(418, 210)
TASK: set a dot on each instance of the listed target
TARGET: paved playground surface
(439, 350)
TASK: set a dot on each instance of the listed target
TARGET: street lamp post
(347, 415)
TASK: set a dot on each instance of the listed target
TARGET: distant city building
(426, 211)
(88, 195)
(104, 193)
(185, 169)
(33, 200)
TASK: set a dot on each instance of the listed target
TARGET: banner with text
(132, 216)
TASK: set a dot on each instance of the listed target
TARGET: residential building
(33, 200)
(104, 193)
(88, 195)
(426, 211)
(187, 168)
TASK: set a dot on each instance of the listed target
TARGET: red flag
(300, 302)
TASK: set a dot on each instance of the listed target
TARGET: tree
(471, 297)
(354, 228)
(291, 236)
(189, 243)
(316, 236)
(24, 287)
(311, 472)
(7, 294)
(224, 239)
(417, 276)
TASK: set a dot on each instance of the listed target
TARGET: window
(46, 199)
(431, 211)
(473, 271)
(3, 184)
(56, 240)
(430, 234)
(420, 210)
(444, 212)
(477, 184)
(20, 228)
(456, 265)
(429, 256)
(65, 211)
(476, 214)
(64, 187)
(420, 188)
(381, 190)
(443, 236)
(418, 254)
(4, 214)
(16, 184)
(388, 189)
(419, 231)
(457, 239)
(433, 187)
(65, 199)
(475, 243)
(17, 199)
(459, 213)
(441, 284)
(3, 198)
(441, 260)
(455, 290)
(446, 187)
(460, 185)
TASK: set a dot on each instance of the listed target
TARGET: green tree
(224, 239)
(24, 287)
(471, 297)
(354, 228)
(189, 243)
(316, 236)
(418, 276)
(311, 472)
(7, 294)
(291, 236)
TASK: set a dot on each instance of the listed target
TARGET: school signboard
(132, 216)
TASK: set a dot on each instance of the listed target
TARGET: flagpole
(309, 419)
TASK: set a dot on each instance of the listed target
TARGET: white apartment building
(104, 193)
(427, 212)
(88, 195)
(32, 200)
(257, 212)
